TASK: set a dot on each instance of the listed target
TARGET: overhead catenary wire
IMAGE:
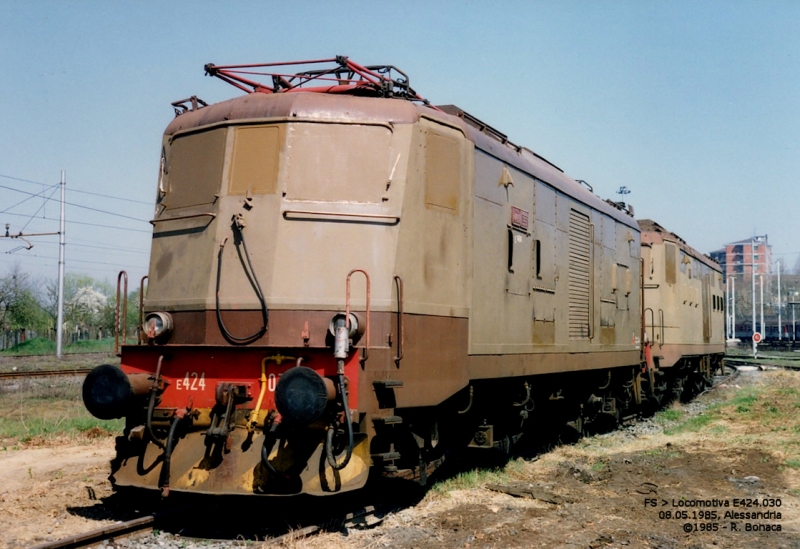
(46, 194)
(38, 210)
(80, 206)
(146, 203)
(108, 248)
(40, 194)
(88, 224)
(27, 256)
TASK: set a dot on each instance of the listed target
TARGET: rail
(45, 373)
(92, 537)
(652, 324)
(591, 280)
(140, 337)
(347, 308)
(393, 219)
(179, 217)
(400, 333)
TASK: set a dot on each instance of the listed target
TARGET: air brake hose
(152, 405)
(257, 287)
(266, 449)
(329, 437)
(163, 480)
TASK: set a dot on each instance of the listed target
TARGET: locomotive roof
(349, 108)
(653, 233)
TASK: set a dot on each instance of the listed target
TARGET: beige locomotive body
(329, 184)
(427, 283)
(684, 301)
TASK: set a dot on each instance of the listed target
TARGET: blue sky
(693, 106)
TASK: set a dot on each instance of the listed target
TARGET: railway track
(129, 529)
(757, 363)
(45, 373)
(140, 527)
(719, 380)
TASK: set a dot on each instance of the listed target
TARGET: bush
(35, 346)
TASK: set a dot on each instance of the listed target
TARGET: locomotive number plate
(519, 218)
(191, 382)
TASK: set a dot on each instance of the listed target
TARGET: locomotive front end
(247, 375)
(202, 421)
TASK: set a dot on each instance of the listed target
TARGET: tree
(108, 314)
(20, 308)
(85, 301)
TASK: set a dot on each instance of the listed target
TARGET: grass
(669, 415)
(475, 478)
(42, 346)
(37, 411)
(692, 424)
(44, 428)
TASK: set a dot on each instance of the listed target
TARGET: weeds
(671, 415)
(40, 411)
(691, 425)
(475, 478)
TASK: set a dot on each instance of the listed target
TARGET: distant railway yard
(721, 471)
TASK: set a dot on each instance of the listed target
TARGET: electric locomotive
(344, 277)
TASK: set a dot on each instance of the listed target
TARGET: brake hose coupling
(341, 342)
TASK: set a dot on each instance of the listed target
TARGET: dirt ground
(686, 478)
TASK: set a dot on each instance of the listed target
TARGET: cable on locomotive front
(238, 225)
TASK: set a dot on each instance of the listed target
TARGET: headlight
(339, 319)
(157, 325)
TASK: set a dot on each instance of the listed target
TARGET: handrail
(394, 218)
(643, 352)
(140, 327)
(591, 280)
(652, 324)
(347, 308)
(661, 314)
(212, 215)
(400, 332)
(124, 321)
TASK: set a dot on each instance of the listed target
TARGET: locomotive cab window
(193, 168)
(255, 160)
(337, 162)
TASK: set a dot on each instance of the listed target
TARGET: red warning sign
(519, 218)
